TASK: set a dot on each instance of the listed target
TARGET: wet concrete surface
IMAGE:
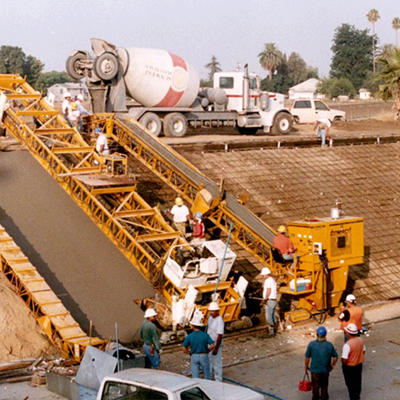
(82, 266)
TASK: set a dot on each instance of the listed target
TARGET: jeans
(320, 386)
(216, 365)
(353, 379)
(322, 134)
(270, 311)
(200, 361)
(152, 361)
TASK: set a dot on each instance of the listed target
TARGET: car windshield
(122, 391)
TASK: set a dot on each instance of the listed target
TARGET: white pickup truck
(307, 111)
(140, 384)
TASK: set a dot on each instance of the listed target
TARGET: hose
(252, 388)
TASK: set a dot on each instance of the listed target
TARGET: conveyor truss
(138, 230)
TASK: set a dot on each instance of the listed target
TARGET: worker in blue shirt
(323, 359)
(200, 343)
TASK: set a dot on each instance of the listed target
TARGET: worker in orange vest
(351, 314)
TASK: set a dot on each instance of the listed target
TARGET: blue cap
(97, 130)
(321, 331)
(198, 215)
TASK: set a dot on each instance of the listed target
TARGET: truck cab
(232, 83)
(307, 111)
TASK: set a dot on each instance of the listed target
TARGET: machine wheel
(72, 65)
(247, 131)
(106, 66)
(175, 125)
(152, 123)
(283, 123)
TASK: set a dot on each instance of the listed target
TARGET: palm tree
(373, 17)
(270, 58)
(384, 51)
(396, 27)
(214, 66)
(390, 74)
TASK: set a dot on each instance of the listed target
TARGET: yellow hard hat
(178, 201)
(282, 229)
(74, 106)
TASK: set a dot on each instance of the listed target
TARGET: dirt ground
(276, 365)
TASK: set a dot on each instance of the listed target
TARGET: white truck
(167, 96)
(307, 111)
(140, 383)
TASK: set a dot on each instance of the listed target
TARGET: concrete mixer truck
(167, 96)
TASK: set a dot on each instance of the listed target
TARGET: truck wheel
(152, 123)
(247, 131)
(283, 123)
(72, 65)
(175, 125)
(106, 66)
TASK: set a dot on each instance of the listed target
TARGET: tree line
(357, 62)
(13, 60)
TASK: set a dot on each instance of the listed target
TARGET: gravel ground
(276, 365)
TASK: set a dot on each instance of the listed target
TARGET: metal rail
(58, 324)
(249, 231)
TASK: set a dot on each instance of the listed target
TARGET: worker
(284, 245)
(215, 328)
(101, 143)
(73, 114)
(200, 343)
(270, 300)
(351, 314)
(352, 361)
(321, 127)
(181, 216)
(66, 108)
(199, 230)
(151, 339)
(323, 356)
(81, 109)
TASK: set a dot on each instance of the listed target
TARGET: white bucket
(334, 213)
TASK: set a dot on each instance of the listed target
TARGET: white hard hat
(352, 329)
(196, 321)
(67, 94)
(79, 97)
(350, 297)
(150, 312)
(213, 306)
(265, 271)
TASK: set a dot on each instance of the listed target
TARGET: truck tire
(152, 123)
(247, 131)
(72, 65)
(106, 66)
(283, 123)
(175, 125)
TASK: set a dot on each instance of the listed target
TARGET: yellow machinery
(53, 317)
(326, 247)
(139, 230)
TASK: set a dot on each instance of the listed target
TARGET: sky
(235, 31)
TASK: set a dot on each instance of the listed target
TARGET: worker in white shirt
(269, 296)
(101, 143)
(321, 127)
(215, 328)
(66, 107)
(181, 215)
